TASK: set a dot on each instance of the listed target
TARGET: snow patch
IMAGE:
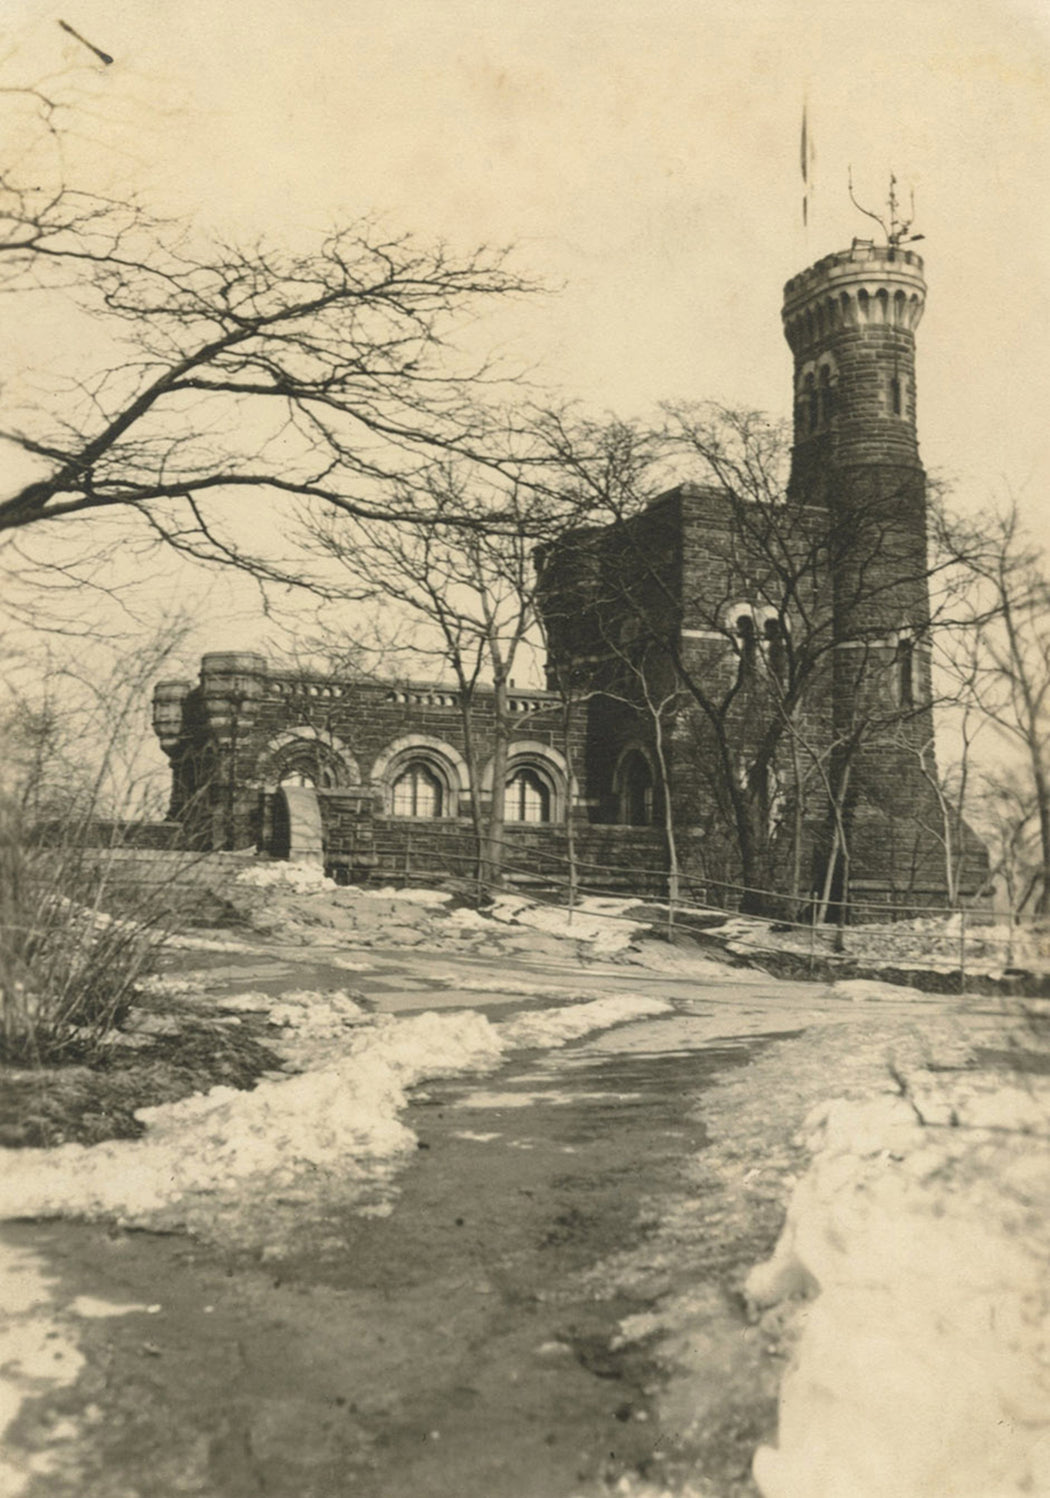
(92, 1309)
(409, 896)
(158, 986)
(245, 1003)
(863, 990)
(342, 1117)
(193, 943)
(315, 1016)
(597, 920)
(923, 1364)
(556, 1027)
(301, 877)
(338, 1118)
(469, 920)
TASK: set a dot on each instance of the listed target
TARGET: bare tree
(749, 630)
(206, 378)
(461, 596)
(1001, 661)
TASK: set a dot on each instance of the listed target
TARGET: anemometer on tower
(893, 226)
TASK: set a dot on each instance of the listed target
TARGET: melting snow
(596, 920)
(556, 1027)
(861, 989)
(339, 1117)
(192, 943)
(410, 896)
(296, 876)
(924, 1360)
(93, 1309)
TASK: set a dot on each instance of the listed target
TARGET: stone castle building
(749, 681)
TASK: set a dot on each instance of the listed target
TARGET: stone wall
(245, 726)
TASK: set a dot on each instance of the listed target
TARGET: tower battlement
(850, 321)
(868, 285)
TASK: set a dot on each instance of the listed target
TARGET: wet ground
(470, 1335)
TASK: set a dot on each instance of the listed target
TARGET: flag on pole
(806, 158)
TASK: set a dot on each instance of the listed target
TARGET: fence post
(812, 935)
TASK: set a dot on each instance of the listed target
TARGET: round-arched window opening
(775, 647)
(812, 403)
(636, 791)
(527, 797)
(824, 396)
(417, 792)
(745, 632)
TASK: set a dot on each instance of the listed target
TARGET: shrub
(68, 964)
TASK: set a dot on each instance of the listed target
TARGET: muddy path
(462, 1341)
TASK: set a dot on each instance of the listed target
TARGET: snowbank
(556, 1027)
(293, 876)
(930, 942)
(918, 1237)
(340, 1117)
(409, 896)
(596, 920)
(863, 990)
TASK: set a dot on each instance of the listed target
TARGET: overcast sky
(643, 157)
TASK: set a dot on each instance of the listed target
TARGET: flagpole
(806, 159)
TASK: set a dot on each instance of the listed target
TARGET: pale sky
(643, 157)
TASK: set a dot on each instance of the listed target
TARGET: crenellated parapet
(867, 286)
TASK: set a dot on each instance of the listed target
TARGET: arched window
(306, 757)
(812, 403)
(895, 396)
(528, 797)
(745, 633)
(774, 644)
(420, 776)
(417, 792)
(824, 395)
(306, 764)
(905, 671)
(636, 790)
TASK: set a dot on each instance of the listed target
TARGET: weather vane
(893, 226)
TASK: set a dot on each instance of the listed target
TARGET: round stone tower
(850, 321)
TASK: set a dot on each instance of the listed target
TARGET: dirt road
(542, 1305)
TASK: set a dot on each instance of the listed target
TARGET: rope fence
(961, 936)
